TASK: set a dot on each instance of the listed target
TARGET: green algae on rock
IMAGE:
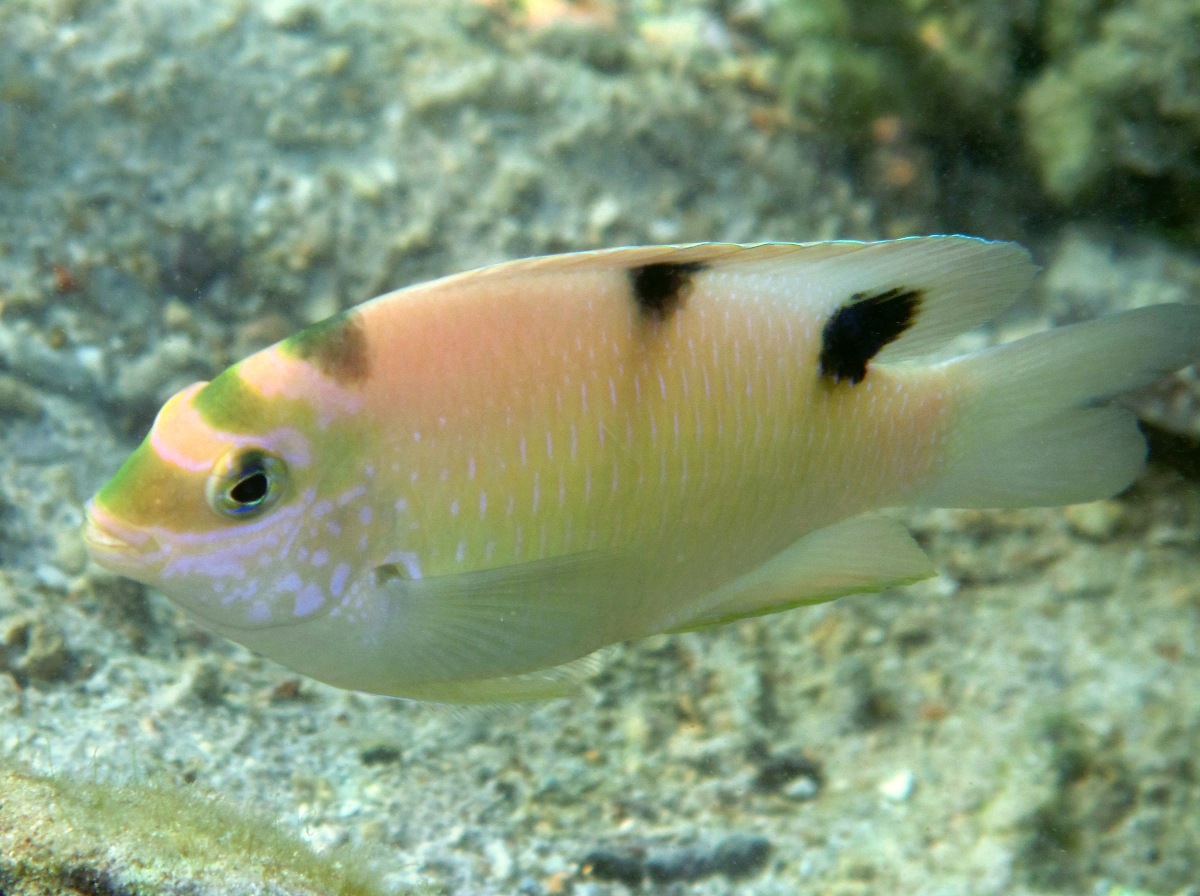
(58, 835)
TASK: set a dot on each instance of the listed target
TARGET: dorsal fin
(964, 281)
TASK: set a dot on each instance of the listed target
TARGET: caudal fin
(1034, 427)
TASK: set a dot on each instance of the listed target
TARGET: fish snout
(113, 544)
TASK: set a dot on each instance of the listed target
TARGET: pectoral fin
(510, 633)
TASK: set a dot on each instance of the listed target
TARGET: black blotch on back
(337, 346)
(861, 328)
(661, 288)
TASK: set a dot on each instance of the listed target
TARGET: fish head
(223, 508)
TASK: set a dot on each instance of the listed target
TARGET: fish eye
(246, 483)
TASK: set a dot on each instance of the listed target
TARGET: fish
(464, 490)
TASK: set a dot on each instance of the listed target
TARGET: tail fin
(1033, 426)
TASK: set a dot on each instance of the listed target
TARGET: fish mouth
(114, 545)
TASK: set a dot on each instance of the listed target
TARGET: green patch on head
(228, 404)
(145, 491)
(337, 346)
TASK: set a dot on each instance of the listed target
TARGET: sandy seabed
(183, 182)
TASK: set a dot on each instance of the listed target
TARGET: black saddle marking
(860, 329)
(660, 289)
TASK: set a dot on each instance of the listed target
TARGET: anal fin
(856, 556)
(552, 683)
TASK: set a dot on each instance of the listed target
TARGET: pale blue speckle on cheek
(337, 582)
(320, 557)
(308, 601)
(241, 592)
(364, 516)
(351, 495)
(290, 583)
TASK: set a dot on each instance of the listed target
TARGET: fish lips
(116, 546)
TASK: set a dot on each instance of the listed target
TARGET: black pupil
(251, 489)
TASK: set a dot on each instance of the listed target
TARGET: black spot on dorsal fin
(861, 328)
(659, 289)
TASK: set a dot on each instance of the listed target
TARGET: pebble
(143, 379)
(626, 865)
(898, 787)
(738, 855)
(291, 15)
(25, 351)
(121, 603)
(17, 399)
(623, 864)
(802, 789)
(604, 213)
(741, 855)
(1098, 520)
(873, 636)
(800, 775)
(500, 859)
(1091, 572)
(201, 680)
(176, 315)
(735, 856)
(11, 700)
(52, 577)
(380, 754)
(33, 648)
(70, 556)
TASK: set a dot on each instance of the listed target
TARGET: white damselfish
(455, 491)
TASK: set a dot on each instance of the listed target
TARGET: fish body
(457, 490)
